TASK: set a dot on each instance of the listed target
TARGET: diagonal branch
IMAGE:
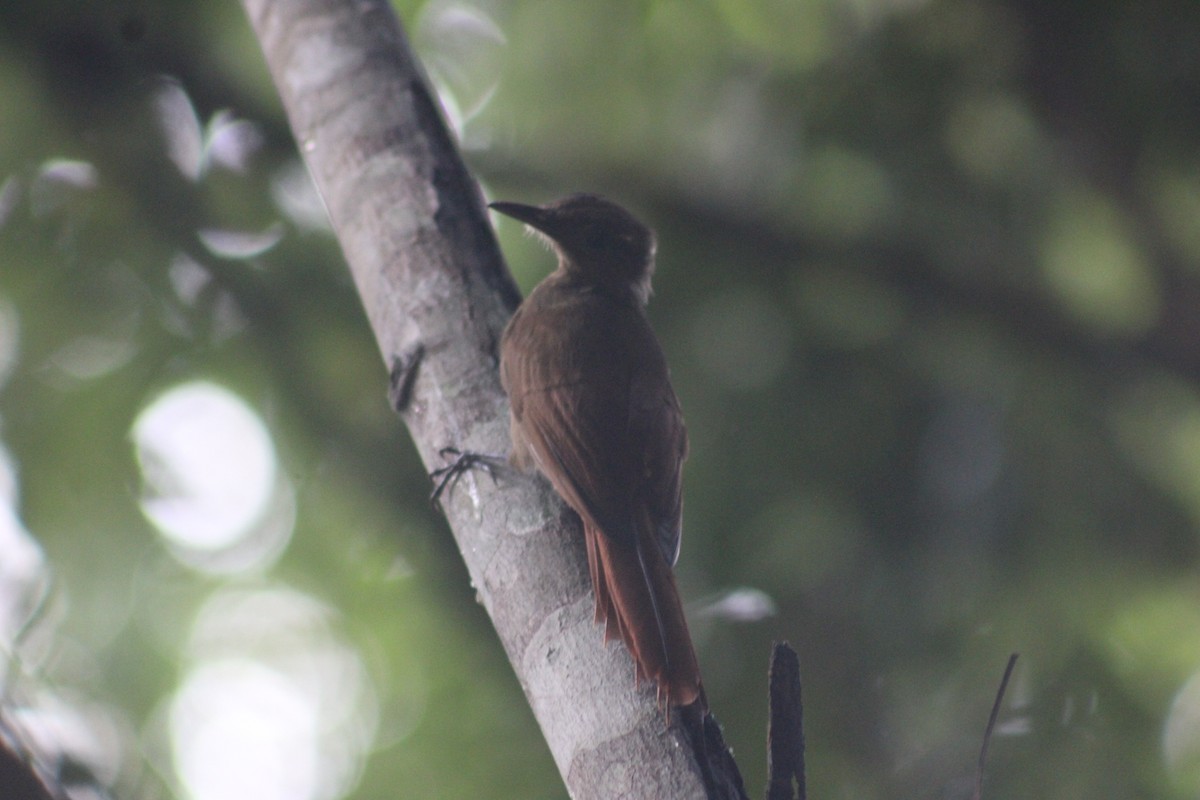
(411, 224)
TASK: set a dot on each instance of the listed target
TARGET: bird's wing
(657, 425)
(579, 436)
(600, 418)
(609, 455)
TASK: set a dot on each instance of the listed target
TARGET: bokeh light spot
(212, 483)
(275, 703)
(1092, 263)
(241, 730)
(992, 136)
(847, 193)
(1181, 734)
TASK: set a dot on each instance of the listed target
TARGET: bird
(593, 409)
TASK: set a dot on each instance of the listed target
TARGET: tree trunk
(411, 223)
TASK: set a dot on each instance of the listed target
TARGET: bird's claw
(464, 460)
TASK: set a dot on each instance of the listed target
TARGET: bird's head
(596, 239)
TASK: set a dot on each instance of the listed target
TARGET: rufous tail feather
(638, 603)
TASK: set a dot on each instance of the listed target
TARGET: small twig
(785, 727)
(402, 376)
(991, 726)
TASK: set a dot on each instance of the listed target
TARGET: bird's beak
(534, 216)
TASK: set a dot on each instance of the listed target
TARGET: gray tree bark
(412, 226)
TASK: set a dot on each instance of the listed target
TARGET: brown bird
(594, 411)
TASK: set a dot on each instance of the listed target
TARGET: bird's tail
(638, 603)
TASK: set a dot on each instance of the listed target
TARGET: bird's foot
(463, 461)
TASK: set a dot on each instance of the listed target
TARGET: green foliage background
(929, 282)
